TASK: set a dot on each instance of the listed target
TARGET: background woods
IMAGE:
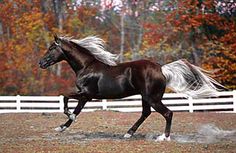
(202, 31)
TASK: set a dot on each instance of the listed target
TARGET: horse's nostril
(41, 62)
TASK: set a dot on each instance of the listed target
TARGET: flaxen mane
(95, 46)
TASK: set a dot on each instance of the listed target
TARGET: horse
(98, 76)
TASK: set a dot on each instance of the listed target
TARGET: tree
(189, 27)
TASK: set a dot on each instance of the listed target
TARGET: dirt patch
(103, 132)
(207, 134)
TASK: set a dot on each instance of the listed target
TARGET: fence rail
(224, 102)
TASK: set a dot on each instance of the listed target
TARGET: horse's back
(140, 64)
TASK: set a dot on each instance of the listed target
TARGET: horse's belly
(118, 88)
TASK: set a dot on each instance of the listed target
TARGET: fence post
(190, 102)
(18, 99)
(61, 103)
(104, 104)
(234, 101)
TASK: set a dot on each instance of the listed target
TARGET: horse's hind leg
(166, 113)
(145, 113)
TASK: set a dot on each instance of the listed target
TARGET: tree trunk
(58, 9)
(122, 35)
(1, 29)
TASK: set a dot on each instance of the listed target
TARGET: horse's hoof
(72, 117)
(163, 138)
(60, 128)
(127, 136)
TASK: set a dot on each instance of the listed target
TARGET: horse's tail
(183, 77)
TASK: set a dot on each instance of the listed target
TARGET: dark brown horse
(99, 77)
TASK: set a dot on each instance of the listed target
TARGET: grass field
(102, 131)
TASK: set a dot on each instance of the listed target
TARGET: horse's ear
(55, 37)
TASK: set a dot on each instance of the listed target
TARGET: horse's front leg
(73, 95)
(82, 101)
(66, 109)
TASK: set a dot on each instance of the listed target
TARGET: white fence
(224, 102)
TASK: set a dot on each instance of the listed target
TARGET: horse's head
(53, 55)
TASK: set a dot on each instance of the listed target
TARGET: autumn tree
(197, 31)
(26, 34)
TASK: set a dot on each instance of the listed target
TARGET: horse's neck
(77, 59)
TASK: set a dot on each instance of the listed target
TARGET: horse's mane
(95, 46)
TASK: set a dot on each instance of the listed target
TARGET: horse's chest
(88, 84)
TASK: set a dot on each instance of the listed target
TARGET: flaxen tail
(183, 77)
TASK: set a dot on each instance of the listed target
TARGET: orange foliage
(27, 31)
(189, 23)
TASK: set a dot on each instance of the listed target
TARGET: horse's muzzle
(43, 64)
